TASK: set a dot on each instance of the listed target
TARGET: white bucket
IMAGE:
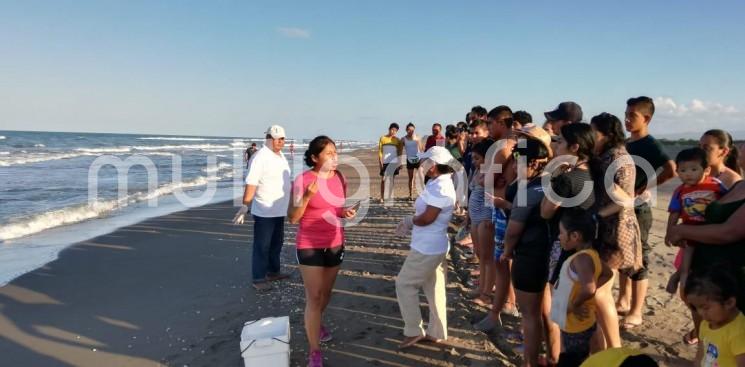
(266, 342)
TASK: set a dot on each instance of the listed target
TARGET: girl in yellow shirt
(572, 303)
(722, 332)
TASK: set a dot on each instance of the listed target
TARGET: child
(689, 203)
(478, 213)
(722, 331)
(572, 304)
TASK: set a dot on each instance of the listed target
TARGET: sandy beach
(175, 290)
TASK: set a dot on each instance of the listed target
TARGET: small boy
(572, 303)
(689, 204)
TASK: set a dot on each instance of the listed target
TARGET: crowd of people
(554, 214)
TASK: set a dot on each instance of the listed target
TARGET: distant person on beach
(639, 113)
(412, 146)
(249, 153)
(565, 113)
(317, 205)
(292, 148)
(453, 144)
(723, 156)
(390, 148)
(520, 119)
(436, 139)
(267, 192)
(713, 294)
(477, 113)
(477, 131)
(425, 267)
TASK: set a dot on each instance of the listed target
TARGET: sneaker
(325, 335)
(315, 359)
(487, 324)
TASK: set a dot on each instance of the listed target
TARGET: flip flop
(409, 342)
(629, 325)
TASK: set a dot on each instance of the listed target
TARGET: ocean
(46, 182)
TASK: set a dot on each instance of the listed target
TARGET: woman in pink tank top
(317, 205)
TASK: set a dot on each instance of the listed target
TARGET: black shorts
(324, 257)
(412, 165)
(385, 167)
(530, 274)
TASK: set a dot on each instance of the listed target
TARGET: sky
(348, 68)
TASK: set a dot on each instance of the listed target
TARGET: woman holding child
(317, 204)
(719, 240)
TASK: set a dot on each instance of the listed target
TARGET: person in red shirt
(436, 138)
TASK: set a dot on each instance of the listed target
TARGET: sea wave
(222, 166)
(75, 214)
(36, 158)
(2, 137)
(179, 138)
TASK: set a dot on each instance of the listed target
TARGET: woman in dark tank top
(721, 241)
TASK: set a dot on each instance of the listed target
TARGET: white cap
(275, 131)
(437, 154)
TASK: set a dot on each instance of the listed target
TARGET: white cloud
(695, 116)
(290, 32)
(696, 107)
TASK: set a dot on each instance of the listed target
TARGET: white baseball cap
(275, 131)
(437, 154)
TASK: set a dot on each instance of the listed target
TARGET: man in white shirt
(268, 194)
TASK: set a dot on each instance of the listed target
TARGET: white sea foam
(2, 137)
(104, 150)
(36, 158)
(180, 138)
(39, 146)
(222, 166)
(80, 213)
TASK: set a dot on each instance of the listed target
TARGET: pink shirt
(321, 226)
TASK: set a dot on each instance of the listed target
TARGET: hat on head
(437, 154)
(566, 111)
(535, 132)
(275, 131)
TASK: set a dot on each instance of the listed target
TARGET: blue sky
(347, 69)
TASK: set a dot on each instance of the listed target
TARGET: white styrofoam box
(266, 342)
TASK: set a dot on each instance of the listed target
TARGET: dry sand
(175, 290)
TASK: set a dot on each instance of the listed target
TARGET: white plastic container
(266, 342)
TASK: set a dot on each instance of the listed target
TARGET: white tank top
(412, 147)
